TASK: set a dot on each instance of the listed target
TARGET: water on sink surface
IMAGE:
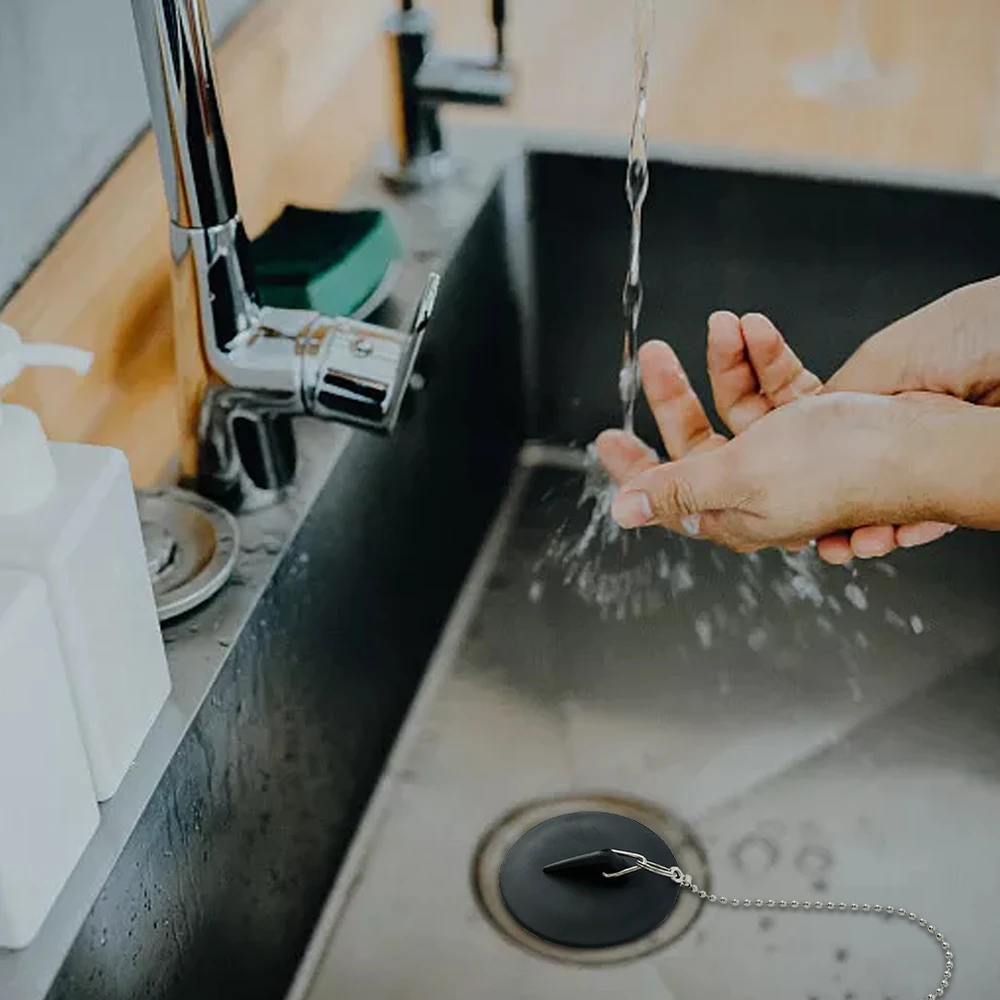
(815, 765)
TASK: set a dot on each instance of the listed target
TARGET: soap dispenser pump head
(16, 355)
(27, 473)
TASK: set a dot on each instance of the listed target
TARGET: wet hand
(950, 346)
(820, 464)
(753, 371)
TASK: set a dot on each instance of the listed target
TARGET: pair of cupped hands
(858, 466)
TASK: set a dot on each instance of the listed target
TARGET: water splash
(856, 596)
(726, 598)
(605, 566)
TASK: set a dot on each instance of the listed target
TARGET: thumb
(888, 362)
(872, 368)
(675, 494)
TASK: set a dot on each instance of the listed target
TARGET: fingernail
(691, 525)
(632, 509)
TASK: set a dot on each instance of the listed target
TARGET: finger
(734, 383)
(909, 536)
(874, 541)
(781, 375)
(679, 415)
(685, 495)
(623, 455)
(835, 549)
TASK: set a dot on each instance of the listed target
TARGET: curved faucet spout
(245, 370)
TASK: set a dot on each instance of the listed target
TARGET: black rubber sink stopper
(552, 881)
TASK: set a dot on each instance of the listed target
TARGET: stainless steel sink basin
(823, 732)
(814, 733)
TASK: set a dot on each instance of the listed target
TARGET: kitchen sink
(816, 732)
(443, 642)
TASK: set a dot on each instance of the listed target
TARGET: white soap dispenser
(49, 811)
(68, 513)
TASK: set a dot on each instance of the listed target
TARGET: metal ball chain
(685, 881)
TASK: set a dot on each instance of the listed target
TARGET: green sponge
(334, 262)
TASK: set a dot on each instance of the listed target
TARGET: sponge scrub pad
(338, 263)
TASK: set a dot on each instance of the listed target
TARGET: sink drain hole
(575, 915)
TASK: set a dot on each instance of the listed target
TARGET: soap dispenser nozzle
(16, 355)
(27, 473)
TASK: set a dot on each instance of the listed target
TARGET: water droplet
(748, 599)
(814, 862)
(754, 855)
(662, 565)
(856, 596)
(681, 579)
(703, 626)
(691, 525)
(857, 695)
(894, 619)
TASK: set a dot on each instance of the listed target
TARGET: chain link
(685, 882)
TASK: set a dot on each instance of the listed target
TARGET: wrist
(956, 466)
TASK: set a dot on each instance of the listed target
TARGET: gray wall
(72, 100)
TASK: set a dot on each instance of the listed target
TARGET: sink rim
(767, 162)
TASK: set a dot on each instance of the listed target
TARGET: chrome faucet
(265, 365)
(424, 81)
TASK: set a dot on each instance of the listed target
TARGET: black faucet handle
(464, 80)
(499, 23)
(427, 79)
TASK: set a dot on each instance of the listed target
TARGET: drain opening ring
(495, 846)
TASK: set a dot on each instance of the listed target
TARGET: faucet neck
(175, 44)
(216, 306)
